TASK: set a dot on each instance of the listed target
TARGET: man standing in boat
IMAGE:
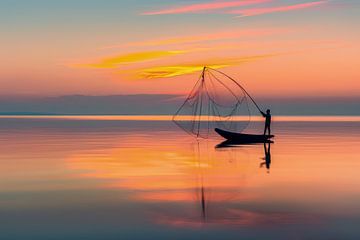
(267, 117)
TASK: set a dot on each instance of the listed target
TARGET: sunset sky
(274, 48)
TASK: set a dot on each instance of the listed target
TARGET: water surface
(86, 178)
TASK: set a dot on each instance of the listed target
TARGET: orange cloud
(114, 62)
(195, 8)
(260, 11)
(173, 71)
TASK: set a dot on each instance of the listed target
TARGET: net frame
(204, 102)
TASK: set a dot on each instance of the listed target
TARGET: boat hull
(243, 138)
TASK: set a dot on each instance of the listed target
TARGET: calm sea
(111, 178)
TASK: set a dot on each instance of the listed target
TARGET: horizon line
(167, 94)
(277, 118)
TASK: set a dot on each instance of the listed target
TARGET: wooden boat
(243, 138)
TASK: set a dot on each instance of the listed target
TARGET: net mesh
(216, 101)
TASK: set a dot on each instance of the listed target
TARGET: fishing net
(216, 101)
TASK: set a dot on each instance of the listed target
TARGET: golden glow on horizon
(188, 118)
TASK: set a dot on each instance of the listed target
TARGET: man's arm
(264, 115)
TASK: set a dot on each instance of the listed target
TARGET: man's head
(268, 111)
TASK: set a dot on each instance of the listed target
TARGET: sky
(275, 48)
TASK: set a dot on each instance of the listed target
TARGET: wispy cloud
(115, 61)
(216, 36)
(260, 11)
(179, 70)
(201, 7)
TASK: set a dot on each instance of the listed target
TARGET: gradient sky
(273, 47)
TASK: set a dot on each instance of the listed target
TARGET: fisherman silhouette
(267, 157)
(267, 117)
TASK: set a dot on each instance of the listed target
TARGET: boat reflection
(230, 144)
(267, 150)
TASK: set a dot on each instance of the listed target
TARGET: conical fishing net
(216, 101)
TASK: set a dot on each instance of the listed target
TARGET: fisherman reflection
(267, 157)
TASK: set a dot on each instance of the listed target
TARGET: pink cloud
(194, 8)
(259, 11)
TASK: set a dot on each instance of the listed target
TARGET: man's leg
(267, 129)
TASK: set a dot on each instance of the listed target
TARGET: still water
(89, 178)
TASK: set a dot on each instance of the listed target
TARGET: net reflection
(194, 185)
(221, 194)
(229, 165)
(220, 205)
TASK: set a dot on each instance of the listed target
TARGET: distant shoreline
(278, 118)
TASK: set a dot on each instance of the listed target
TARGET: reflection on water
(267, 158)
(96, 179)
